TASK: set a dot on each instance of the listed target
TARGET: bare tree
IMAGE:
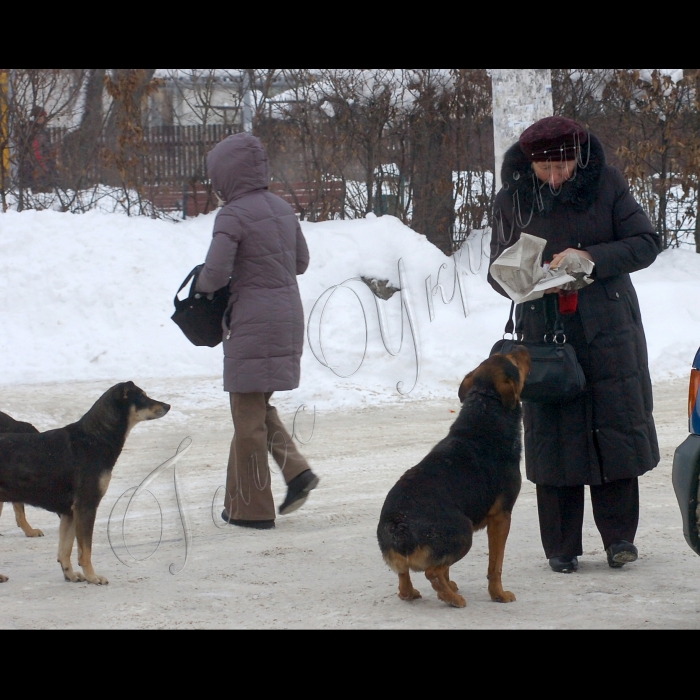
(648, 121)
(452, 154)
(407, 142)
(34, 97)
(412, 143)
(80, 147)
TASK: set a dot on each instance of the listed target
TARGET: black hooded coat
(608, 434)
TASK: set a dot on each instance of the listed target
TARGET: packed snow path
(321, 567)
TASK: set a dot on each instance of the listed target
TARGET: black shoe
(251, 524)
(298, 491)
(621, 553)
(564, 565)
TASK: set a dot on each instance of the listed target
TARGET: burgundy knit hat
(553, 138)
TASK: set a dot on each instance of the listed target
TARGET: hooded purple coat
(258, 249)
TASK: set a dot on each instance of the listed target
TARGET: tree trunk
(123, 131)
(137, 92)
(433, 189)
(80, 147)
(81, 165)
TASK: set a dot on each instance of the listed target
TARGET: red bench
(308, 200)
(187, 201)
(314, 198)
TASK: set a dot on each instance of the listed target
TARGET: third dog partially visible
(10, 425)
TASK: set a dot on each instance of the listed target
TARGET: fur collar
(579, 193)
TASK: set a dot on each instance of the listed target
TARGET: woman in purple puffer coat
(258, 249)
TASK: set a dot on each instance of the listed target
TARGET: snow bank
(669, 296)
(90, 297)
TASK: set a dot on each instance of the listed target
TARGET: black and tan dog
(67, 471)
(10, 425)
(468, 482)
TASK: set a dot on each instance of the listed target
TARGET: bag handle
(510, 326)
(554, 326)
(193, 274)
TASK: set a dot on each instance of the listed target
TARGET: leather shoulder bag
(555, 376)
(198, 316)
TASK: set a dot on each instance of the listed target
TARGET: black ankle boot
(298, 491)
(564, 565)
(621, 553)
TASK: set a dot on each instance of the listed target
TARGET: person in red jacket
(38, 171)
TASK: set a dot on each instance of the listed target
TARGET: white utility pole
(248, 102)
(521, 96)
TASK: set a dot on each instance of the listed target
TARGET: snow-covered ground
(89, 296)
(321, 568)
(86, 301)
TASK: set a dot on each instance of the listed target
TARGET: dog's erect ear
(467, 383)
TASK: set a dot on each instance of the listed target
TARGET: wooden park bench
(309, 200)
(190, 200)
(312, 200)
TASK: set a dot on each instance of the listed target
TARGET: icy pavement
(321, 567)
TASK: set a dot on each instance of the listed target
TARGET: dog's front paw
(73, 577)
(455, 600)
(503, 597)
(3, 579)
(34, 533)
(412, 595)
(97, 580)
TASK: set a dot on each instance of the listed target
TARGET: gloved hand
(197, 271)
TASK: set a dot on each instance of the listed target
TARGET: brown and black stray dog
(10, 425)
(67, 471)
(468, 482)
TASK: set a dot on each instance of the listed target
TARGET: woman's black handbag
(555, 376)
(198, 316)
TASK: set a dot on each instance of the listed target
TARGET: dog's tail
(397, 544)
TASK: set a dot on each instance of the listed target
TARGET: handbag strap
(553, 321)
(514, 328)
(189, 277)
(552, 318)
(510, 326)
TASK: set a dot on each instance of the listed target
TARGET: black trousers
(615, 511)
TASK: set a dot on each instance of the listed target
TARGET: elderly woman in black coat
(557, 186)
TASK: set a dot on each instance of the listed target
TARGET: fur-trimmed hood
(579, 193)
